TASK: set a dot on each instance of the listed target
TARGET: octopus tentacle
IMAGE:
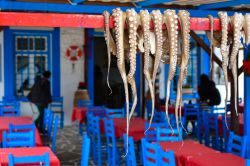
(237, 24)
(158, 20)
(224, 49)
(184, 20)
(247, 28)
(170, 19)
(211, 20)
(119, 20)
(145, 23)
(107, 39)
(132, 28)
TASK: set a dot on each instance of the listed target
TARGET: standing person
(204, 88)
(41, 96)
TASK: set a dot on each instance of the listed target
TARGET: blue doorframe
(90, 62)
(9, 60)
(247, 105)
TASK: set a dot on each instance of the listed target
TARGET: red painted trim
(77, 20)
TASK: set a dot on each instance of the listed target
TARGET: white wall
(70, 78)
(1, 66)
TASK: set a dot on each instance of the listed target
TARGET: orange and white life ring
(73, 53)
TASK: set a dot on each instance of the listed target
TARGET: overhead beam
(218, 5)
(152, 2)
(203, 45)
(79, 20)
(84, 9)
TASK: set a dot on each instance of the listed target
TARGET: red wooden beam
(77, 20)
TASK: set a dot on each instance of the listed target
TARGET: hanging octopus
(145, 23)
(184, 20)
(109, 42)
(211, 20)
(132, 24)
(158, 20)
(237, 24)
(119, 20)
(224, 49)
(170, 19)
(247, 28)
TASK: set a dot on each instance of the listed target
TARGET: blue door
(31, 58)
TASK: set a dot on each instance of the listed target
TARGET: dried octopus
(224, 49)
(109, 42)
(237, 24)
(170, 19)
(119, 20)
(132, 22)
(158, 20)
(145, 24)
(247, 28)
(184, 20)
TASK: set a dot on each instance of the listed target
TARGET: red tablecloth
(79, 114)
(185, 149)
(136, 129)
(27, 152)
(5, 121)
(171, 109)
(215, 159)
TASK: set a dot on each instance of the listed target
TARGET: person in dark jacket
(41, 96)
(204, 88)
(209, 94)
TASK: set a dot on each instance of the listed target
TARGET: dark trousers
(39, 121)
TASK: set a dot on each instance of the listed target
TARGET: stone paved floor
(69, 146)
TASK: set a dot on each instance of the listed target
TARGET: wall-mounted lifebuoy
(73, 53)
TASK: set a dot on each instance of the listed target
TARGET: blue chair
(23, 128)
(57, 107)
(226, 131)
(159, 116)
(167, 158)
(84, 103)
(112, 144)
(9, 99)
(48, 122)
(18, 139)
(115, 112)
(237, 145)
(53, 144)
(130, 158)
(211, 130)
(10, 109)
(89, 124)
(97, 146)
(165, 134)
(85, 150)
(153, 155)
(194, 110)
(29, 159)
(97, 110)
(150, 134)
(247, 162)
